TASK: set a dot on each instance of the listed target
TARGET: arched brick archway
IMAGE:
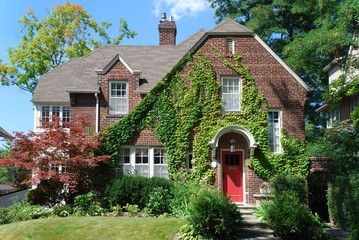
(322, 164)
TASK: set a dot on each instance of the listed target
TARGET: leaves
(67, 32)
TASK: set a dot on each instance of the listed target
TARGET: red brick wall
(167, 30)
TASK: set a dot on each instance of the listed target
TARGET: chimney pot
(163, 17)
(171, 19)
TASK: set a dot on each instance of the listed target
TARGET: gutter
(97, 112)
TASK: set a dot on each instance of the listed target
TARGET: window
(189, 161)
(333, 116)
(160, 166)
(354, 101)
(230, 45)
(124, 161)
(274, 128)
(141, 164)
(118, 98)
(63, 112)
(231, 93)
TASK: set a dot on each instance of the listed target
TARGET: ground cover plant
(72, 228)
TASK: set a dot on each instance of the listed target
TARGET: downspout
(97, 112)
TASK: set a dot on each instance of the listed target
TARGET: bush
(213, 215)
(86, 204)
(4, 216)
(62, 210)
(159, 201)
(292, 185)
(291, 219)
(182, 191)
(343, 202)
(46, 193)
(134, 189)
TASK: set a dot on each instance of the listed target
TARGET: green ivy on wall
(175, 111)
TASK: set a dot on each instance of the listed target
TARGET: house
(108, 83)
(3, 133)
(348, 103)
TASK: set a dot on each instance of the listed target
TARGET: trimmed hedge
(134, 189)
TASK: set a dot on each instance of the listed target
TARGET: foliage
(67, 32)
(63, 210)
(187, 232)
(174, 111)
(64, 153)
(132, 209)
(291, 219)
(134, 189)
(87, 204)
(291, 185)
(213, 215)
(48, 192)
(159, 201)
(343, 202)
(182, 192)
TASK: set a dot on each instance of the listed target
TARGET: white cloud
(180, 8)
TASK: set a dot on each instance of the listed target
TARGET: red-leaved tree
(63, 152)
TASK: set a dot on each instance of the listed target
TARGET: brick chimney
(167, 30)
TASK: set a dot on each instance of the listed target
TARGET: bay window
(47, 111)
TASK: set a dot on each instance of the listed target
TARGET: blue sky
(142, 16)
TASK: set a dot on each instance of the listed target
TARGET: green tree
(67, 32)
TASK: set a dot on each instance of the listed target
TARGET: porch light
(214, 164)
(280, 185)
(232, 147)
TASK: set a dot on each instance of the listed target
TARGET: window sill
(115, 115)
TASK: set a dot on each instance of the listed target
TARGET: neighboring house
(347, 104)
(3, 133)
(109, 82)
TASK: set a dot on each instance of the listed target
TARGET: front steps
(253, 228)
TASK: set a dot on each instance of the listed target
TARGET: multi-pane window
(63, 112)
(118, 103)
(142, 163)
(230, 45)
(189, 161)
(333, 117)
(354, 101)
(274, 128)
(124, 161)
(160, 166)
(231, 93)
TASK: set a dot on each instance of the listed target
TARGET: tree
(67, 32)
(64, 153)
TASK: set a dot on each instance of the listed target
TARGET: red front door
(233, 175)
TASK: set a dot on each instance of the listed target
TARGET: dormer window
(118, 97)
(230, 45)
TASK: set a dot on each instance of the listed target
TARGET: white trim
(279, 111)
(243, 172)
(239, 89)
(109, 97)
(238, 129)
(113, 61)
(38, 114)
(281, 62)
(97, 112)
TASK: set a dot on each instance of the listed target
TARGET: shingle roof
(3, 133)
(79, 74)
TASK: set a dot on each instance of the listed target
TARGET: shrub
(47, 193)
(292, 185)
(159, 201)
(86, 204)
(213, 215)
(134, 189)
(4, 216)
(182, 191)
(63, 210)
(291, 219)
(343, 202)
(22, 211)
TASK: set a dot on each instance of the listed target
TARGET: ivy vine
(174, 111)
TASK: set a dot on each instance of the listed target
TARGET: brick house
(3, 133)
(347, 104)
(109, 82)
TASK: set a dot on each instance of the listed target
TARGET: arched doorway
(317, 194)
(231, 146)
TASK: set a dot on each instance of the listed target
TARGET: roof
(3, 133)
(151, 62)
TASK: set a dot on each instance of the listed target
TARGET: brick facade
(168, 32)
(279, 87)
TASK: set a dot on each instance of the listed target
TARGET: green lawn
(92, 228)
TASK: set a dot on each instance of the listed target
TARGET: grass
(92, 228)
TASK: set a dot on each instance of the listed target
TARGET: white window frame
(354, 101)
(333, 116)
(110, 98)
(162, 164)
(226, 95)
(39, 110)
(275, 141)
(130, 169)
(230, 45)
